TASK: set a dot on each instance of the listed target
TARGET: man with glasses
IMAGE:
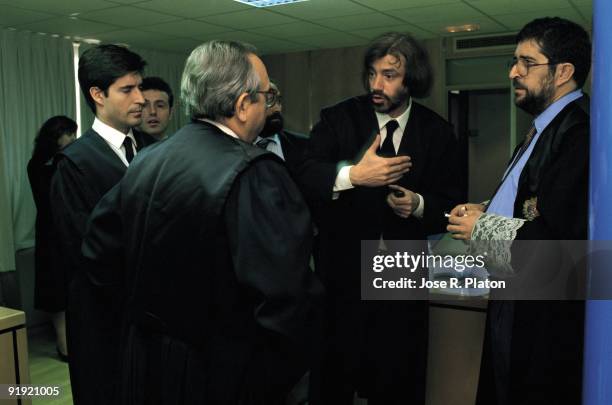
(533, 350)
(210, 239)
(287, 145)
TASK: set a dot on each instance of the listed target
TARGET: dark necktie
(129, 151)
(387, 149)
(528, 139)
(264, 142)
(526, 143)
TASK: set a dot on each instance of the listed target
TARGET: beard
(392, 102)
(533, 102)
(273, 125)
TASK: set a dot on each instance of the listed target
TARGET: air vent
(462, 44)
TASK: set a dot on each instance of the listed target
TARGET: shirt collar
(274, 138)
(222, 127)
(402, 120)
(110, 134)
(542, 120)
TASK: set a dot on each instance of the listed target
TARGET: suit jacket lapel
(105, 150)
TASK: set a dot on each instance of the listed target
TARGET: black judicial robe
(49, 264)
(533, 351)
(86, 170)
(209, 240)
(378, 348)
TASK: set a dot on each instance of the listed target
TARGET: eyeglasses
(523, 65)
(272, 97)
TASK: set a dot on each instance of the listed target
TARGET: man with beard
(287, 145)
(110, 78)
(533, 350)
(377, 349)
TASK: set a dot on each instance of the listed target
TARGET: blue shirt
(503, 201)
(274, 146)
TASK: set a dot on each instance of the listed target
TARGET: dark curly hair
(418, 77)
(45, 144)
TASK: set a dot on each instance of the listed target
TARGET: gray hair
(215, 75)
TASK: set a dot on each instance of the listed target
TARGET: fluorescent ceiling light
(267, 3)
(462, 28)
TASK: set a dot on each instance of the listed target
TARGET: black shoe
(63, 357)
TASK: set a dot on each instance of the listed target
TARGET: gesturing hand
(402, 206)
(375, 171)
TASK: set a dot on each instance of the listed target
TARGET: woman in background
(50, 277)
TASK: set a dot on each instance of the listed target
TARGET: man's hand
(375, 171)
(460, 209)
(402, 206)
(462, 220)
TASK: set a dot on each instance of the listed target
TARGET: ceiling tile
(450, 13)
(355, 22)
(517, 21)
(587, 13)
(194, 8)
(133, 37)
(336, 40)
(63, 7)
(248, 19)
(315, 9)
(243, 36)
(372, 33)
(277, 45)
(127, 16)
(127, 1)
(181, 45)
(186, 28)
(13, 16)
(290, 49)
(497, 7)
(383, 5)
(296, 29)
(69, 26)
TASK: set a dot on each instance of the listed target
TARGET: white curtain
(36, 83)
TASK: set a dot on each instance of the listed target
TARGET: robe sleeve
(71, 203)
(270, 236)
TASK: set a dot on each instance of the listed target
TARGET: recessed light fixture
(267, 3)
(462, 28)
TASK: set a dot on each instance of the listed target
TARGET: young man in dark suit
(533, 350)
(110, 78)
(378, 349)
(157, 111)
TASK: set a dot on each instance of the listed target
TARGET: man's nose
(377, 83)
(139, 98)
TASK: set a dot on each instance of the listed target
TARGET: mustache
(517, 84)
(378, 93)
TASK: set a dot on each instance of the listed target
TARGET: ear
(97, 95)
(242, 106)
(564, 73)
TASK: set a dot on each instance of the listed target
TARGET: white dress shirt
(343, 180)
(222, 127)
(114, 139)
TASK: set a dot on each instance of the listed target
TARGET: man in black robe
(209, 239)
(533, 350)
(378, 349)
(109, 77)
